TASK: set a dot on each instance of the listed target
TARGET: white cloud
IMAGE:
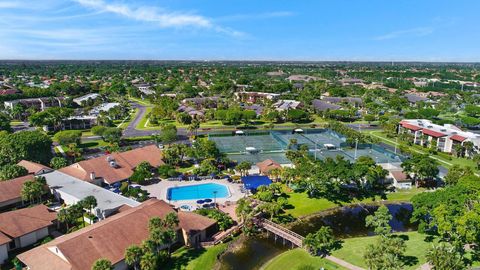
(9, 4)
(148, 14)
(258, 16)
(162, 18)
(414, 32)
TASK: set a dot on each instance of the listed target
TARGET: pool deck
(159, 190)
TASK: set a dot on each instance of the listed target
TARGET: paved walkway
(343, 263)
(60, 149)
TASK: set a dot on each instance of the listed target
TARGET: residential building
(354, 101)
(349, 81)
(445, 137)
(40, 103)
(254, 97)
(115, 167)
(105, 107)
(202, 102)
(10, 191)
(144, 88)
(301, 78)
(111, 237)
(194, 113)
(24, 227)
(267, 165)
(322, 106)
(285, 105)
(34, 168)
(414, 99)
(254, 107)
(70, 190)
(83, 99)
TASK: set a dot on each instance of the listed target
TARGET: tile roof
(433, 133)
(399, 176)
(20, 222)
(11, 189)
(106, 239)
(268, 165)
(410, 126)
(320, 105)
(4, 239)
(33, 167)
(126, 163)
(458, 138)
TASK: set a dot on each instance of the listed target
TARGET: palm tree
(243, 209)
(148, 261)
(133, 254)
(64, 216)
(102, 264)
(89, 203)
(458, 149)
(468, 147)
(193, 127)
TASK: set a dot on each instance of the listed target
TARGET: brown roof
(11, 189)
(126, 162)
(192, 223)
(268, 165)
(33, 167)
(106, 239)
(20, 222)
(4, 239)
(399, 176)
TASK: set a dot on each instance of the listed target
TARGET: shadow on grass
(89, 144)
(180, 262)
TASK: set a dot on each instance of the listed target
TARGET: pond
(349, 221)
(252, 253)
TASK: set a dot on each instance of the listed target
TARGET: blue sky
(425, 30)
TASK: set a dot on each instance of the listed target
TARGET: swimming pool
(195, 192)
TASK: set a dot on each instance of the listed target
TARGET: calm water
(252, 253)
(350, 221)
(195, 192)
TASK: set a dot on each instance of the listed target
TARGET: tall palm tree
(468, 147)
(243, 209)
(102, 264)
(133, 254)
(64, 217)
(193, 127)
(148, 261)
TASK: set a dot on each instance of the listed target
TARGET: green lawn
(353, 249)
(195, 259)
(15, 123)
(124, 123)
(303, 205)
(141, 102)
(297, 258)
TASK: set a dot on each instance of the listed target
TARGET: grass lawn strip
(295, 258)
(353, 249)
(195, 259)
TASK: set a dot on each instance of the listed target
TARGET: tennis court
(274, 144)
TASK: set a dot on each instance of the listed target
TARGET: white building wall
(33, 237)
(3, 253)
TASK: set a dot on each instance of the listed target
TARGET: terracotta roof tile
(11, 189)
(4, 239)
(106, 239)
(126, 162)
(268, 165)
(433, 133)
(410, 126)
(33, 167)
(458, 138)
(20, 222)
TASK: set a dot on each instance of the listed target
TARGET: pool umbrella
(200, 201)
(208, 200)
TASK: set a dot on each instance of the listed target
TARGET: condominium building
(424, 132)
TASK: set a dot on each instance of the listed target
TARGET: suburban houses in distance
(170, 165)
